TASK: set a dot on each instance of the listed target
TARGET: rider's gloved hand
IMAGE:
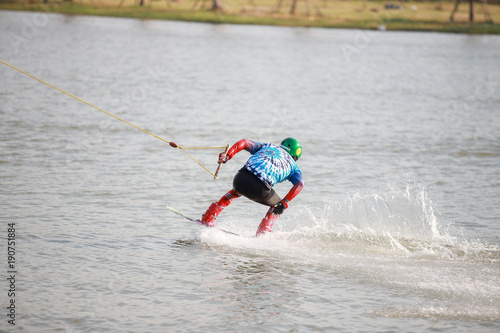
(223, 158)
(280, 207)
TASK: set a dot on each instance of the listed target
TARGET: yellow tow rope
(172, 144)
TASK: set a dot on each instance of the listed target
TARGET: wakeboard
(199, 222)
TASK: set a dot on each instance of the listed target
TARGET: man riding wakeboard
(269, 165)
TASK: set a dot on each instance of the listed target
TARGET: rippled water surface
(396, 230)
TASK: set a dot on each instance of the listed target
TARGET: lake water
(396, 229)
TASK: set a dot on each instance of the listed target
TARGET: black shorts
(249, 185)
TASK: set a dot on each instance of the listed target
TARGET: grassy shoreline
(356, 14)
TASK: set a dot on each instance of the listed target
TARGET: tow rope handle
(220, 163)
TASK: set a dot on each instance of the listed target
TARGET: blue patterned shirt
(272, 164)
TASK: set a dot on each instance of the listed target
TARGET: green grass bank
(351, 14)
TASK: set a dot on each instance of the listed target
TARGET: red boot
(265, 227)
(211, 214)
(215, 208)
(267, 223)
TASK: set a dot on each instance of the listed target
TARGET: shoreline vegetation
(349, 14)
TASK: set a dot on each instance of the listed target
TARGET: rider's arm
(298, 184)
(248, 145)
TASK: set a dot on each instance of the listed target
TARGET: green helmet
(293, 147)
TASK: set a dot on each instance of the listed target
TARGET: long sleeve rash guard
(271, 164)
